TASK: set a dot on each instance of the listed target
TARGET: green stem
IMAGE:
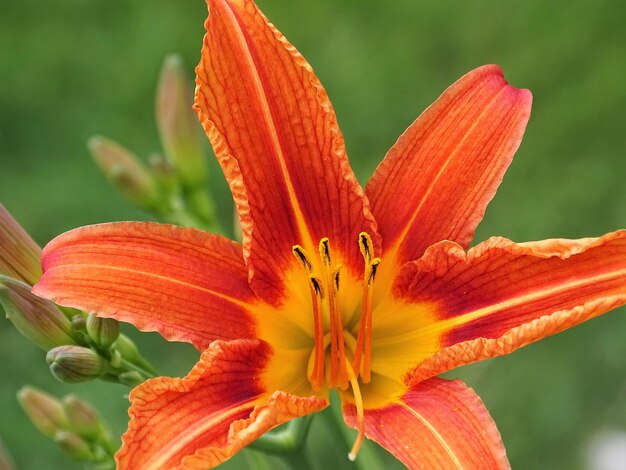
(257, 460)
(298, 460)
(287, 441)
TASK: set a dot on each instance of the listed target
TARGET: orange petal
(203, 419)
(186, 284)
(501, 296)
(276, 136)
(436, 181)
(437, 424)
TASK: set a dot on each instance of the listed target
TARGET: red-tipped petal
(437, 424)
(501, 296)
(436, 181)
(276, 136)
(203, 419)
(184, 283)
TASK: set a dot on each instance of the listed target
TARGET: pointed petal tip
(445, 168)
(494, 69)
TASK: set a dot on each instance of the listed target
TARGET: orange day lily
(367, 292)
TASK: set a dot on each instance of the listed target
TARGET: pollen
(341, 357)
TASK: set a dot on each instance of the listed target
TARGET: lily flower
(371, 293)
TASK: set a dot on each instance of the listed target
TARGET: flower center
(339, 360)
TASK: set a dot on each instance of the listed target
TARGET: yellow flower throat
(339, 360)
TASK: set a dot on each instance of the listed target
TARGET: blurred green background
(70, 69)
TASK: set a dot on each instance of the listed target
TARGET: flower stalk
(173, 188)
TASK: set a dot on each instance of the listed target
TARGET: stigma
(341, 355)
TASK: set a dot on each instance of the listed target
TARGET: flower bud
(164, 173)
(73, 364)
(38, 320)
(79, 323)
(127, 348)
(82, 418)
(45, 411)
(20, 256)
(103, 331)
(125, 171)
(73, 445)
(178, 125)
(131, 378)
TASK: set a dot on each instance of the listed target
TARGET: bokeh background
(70, 69)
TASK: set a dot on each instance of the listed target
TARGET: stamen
(324, 248)
(317, 376)
(336, 328)
(365, 244)
(334, 303)
(300, 255)
(368, 324)
(358, 401)
(364, 337)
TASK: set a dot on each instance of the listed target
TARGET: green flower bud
(45, 411)
(127, 348)
(73, 364)
(79, 323)
(82, 418)
(74, 446)
(131, 378)
(20, 256)
(38, 320)
(126, 172)
(164, 173)
(103, 331)
(178, 126)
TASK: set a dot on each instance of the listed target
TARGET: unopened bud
(79, 323)
(129, 352)
(164, 173)
(38, 320)
(128, 349)
(45, 411)
(82, 418)
(125, 171)
(73, 364)
(131, 378)
(180, 133)
(20, 256)
(74, 446)
(103, 331)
